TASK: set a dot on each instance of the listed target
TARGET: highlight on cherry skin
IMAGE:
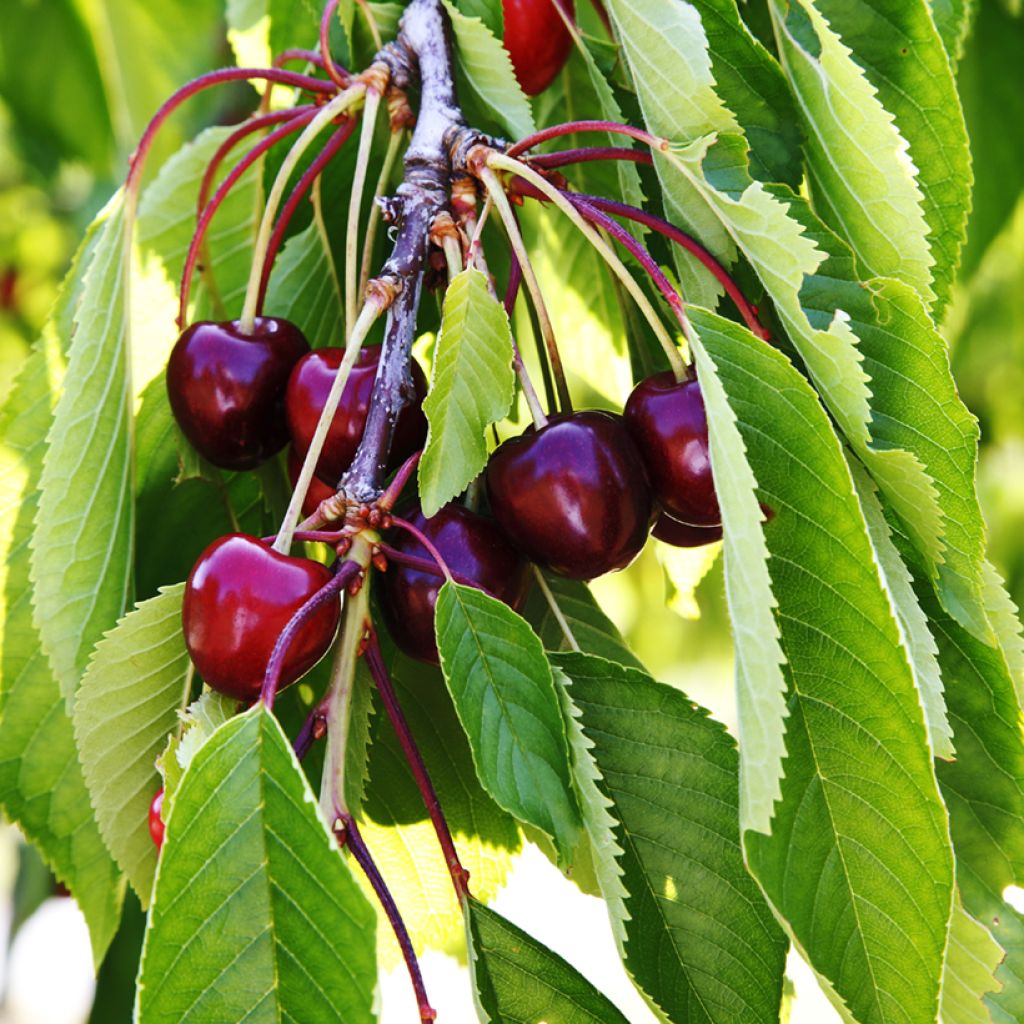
(227, 388)
(239, 597)
(310, 381)
(667, 421)
(537, 41)
(156, 822)
(473, 547)
(573, 496)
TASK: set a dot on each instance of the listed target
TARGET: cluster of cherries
(577, 496)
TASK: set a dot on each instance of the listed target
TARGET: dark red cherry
(473, 547)
(310, 382)
(318, 490)
(537, 41)
(683, 535)
(227, 388)
(573, 496)
(238, 599)
(156, 823)
(666, 418)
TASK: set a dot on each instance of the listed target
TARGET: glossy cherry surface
(318, 489)
(537, 41)
(667, 420)
(473, 547)
(238, 599)
(573, 496)
(227, 388)
(683, 535)
(156, 823)
(308, 386)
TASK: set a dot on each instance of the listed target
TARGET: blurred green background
(79, 79)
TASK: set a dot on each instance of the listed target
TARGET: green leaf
(41, 783)
(858, 861)
(861, 178)
(472, 386)
(137, 682)
(519, 981)
(969, 974)
(694, 930)
(953, 20)
(505, 697)
(593, 631)
(303, 287)
(752, 85)
(488, 70)
(254, 915)
(896, 44)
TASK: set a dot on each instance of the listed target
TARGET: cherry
(573, 495)
(310, 381)
(238, 599)
(667, 420)
(318, 490)
(156, 823)
(683, 535)
(227, 388)
(537, 41)
(473, 547)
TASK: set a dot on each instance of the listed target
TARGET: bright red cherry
(227, 388)
(318, 490)
(473, 547)
(537, 41)
(667, 420)
(156, 823)
(683, 535)
(573, 496)
(238, 599)
(308, 386)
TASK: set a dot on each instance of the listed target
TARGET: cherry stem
(416, 532)
(296, 54)
(311, 537)
(355, 199)
(343, 576)
(425, 565)
(210, 209)
(639, 252)
(515, 237)
(349, 836)
(304, 184)
(556, 131)
(374, 216)
(747, 310)
(401, 478)
(588, 154)
(197, 85)
(563, 622)
(382, 680)
(515, 278)
(336, 74)
(313, 728)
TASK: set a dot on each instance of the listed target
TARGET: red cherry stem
(313, 728)
(747, 310)
(382, 680)
(207, 81)
(638, 251)
(304, 184)
(336, 74)
(556, 131)
(349, 836)
(588, 154)
(426, 565)
(311, 537)
(343, 576)
(195, 247)
(296, 54)
(401, 478)
(416, 532)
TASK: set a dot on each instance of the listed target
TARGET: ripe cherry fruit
(667, 420)
(238, 599)
(682, 535)
(227, 388)
(537, 41)
(311, 380)
(156, 823)
(573, 496)
(473, 547)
